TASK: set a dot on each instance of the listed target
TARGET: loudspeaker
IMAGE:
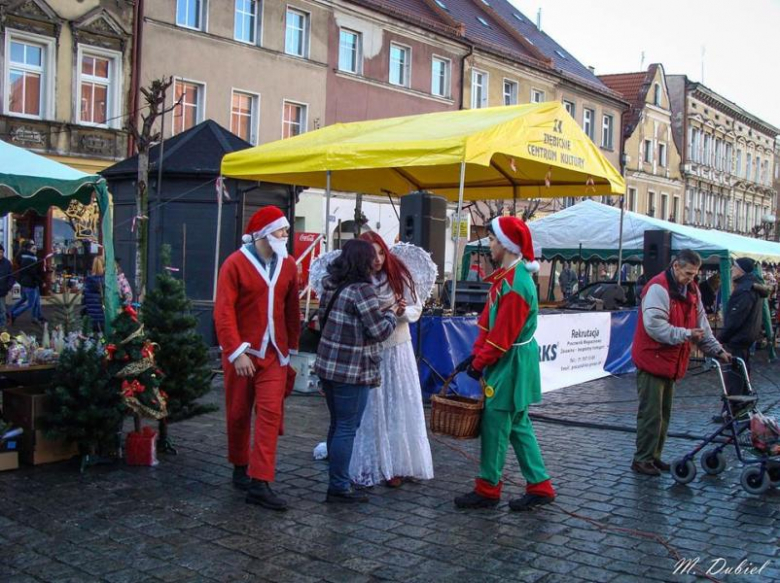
(470, 296)
(424, 223)
(657, 252)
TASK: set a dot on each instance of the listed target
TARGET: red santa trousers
(263, 393)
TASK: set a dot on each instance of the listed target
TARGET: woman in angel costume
(392, 443)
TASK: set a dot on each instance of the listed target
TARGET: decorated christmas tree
(182, 354)
(133, 373)
(84, 407)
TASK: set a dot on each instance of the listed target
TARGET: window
(651, 204)
(296, 36)
(756, 164)
(739, 162)
(246, 21)
(648, 155)
(588, 117)
(189, 109)
(350, 51)
(675, 217)
(26, 71)
(189, 13)
(748, 165)
(400, 62)
(657, 95)
(662, 155)
(440, 77)
(479, 89)
(99, 93)
(243, 116)
(510, 92)
(294, 120)
(570, 108)
(606, 132)
(537, 96)
(706, 154)
(632, 199)
(664, 206)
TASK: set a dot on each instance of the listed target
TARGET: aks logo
(548, 352)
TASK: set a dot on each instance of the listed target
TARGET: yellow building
(652, 161)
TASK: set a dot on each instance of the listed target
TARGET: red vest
(666, 360)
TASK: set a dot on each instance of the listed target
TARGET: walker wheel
(755, 480)
(773, 469)
(713, 462)
(683, 470)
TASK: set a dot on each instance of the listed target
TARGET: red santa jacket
(254, 313)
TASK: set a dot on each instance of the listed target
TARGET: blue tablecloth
(442, 342)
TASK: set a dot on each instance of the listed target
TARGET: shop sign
(85, 220)
(464, 229)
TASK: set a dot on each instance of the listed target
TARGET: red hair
(398, 275)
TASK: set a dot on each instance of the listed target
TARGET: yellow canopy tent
(523, 151)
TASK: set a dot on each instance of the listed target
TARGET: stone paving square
(183, 522)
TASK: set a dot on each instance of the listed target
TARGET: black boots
(240, 478)
(260, 493)
(529, 502)
(474, 500)
(346, 497)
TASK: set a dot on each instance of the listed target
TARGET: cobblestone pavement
(182, 521)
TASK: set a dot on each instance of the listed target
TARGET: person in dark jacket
(30, 277)
(6, 283)
(348, 357)
(742, 325)
(92, 300)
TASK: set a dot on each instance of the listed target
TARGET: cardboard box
(22, 406)
(35, 449)
(9, 460)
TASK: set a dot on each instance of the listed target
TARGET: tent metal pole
(326, 232)
(220, 186)
(619, 275)
(457, 236)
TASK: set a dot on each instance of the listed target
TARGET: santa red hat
(264, 222)
(515, 237)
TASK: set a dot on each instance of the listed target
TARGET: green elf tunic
(508, 356)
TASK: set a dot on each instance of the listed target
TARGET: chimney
(592, 69)
(539, 19)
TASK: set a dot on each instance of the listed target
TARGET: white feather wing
(319, 270)
(420, 265)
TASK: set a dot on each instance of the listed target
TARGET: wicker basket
(454, 415)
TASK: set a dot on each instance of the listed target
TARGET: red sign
(303, 242)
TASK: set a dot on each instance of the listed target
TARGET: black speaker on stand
(424, 223)
(657, 252)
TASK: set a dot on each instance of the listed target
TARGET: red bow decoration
(148, 350)
(130, 389)
(590, 185)
(110, 350)
(131, 311)
(513, 165)
(548, 177)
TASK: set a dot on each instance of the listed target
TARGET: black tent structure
(184, 209)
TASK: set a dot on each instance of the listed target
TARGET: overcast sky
(739, 38)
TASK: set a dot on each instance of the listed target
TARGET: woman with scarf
(392, 442)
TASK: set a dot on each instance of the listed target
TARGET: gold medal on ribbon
(489, 391)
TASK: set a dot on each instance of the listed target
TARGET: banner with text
(573, 348)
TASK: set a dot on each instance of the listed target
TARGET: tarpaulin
(441, 343)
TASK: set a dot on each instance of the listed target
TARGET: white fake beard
(278, 246)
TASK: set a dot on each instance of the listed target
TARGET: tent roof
(29, 181)
(597, 227)
(196, 152)
(509, 152)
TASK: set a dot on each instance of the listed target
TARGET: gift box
(141, 448)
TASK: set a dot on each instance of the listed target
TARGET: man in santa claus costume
(257, 317)
(507, 357)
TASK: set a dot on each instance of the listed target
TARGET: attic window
(483, 22)
(485, 2)
(561, 54)
(442, 5)
(517, 16)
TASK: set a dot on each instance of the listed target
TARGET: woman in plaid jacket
(349, 354)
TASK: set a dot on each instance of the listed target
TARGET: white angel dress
(392, 440)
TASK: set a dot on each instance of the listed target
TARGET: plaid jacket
(350, 345)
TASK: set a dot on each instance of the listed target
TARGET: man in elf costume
(507, 357)
(257, 318)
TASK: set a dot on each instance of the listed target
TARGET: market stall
(524, 151)
(29, 182)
